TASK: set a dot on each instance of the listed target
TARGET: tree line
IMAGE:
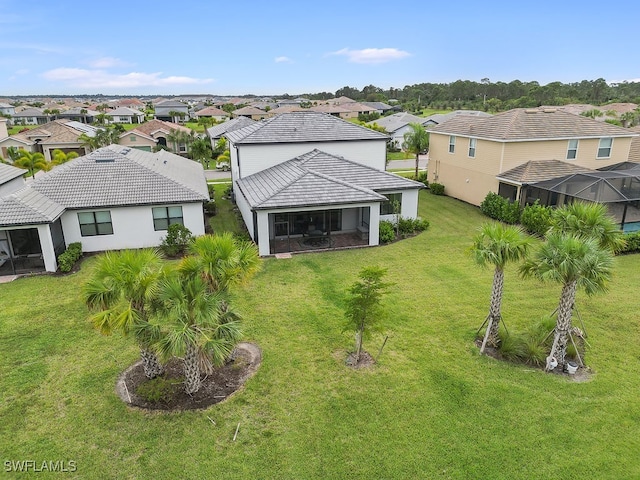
(492, 96)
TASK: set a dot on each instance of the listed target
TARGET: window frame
(98, 226)
(609, 148)
(452, 144)
(473, 142)
(386, 208)
(572, 149)
(157, 226)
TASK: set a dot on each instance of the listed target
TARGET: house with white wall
(113, 198)
(309, 179)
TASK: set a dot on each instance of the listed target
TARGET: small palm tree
(498, 244)
(573, 262)
(416, 141)
(59, 157)
(121, 293)
(223, 260)
(588, 220)
(197, 325)
(32, 161)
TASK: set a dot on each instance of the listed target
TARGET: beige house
(151, 134)
(472, 156)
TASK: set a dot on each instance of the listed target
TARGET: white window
(452, 144)
(572, 149)
(472, 147)
(604, 148)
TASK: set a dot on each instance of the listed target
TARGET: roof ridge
(284, 185)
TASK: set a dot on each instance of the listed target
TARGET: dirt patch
(366, 360)
(214, 388)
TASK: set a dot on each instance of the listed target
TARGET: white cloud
(372, 55)
(283, 60)
(99, 79)
(107, 62)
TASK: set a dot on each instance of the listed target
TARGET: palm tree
(573, 262)
(32, 161)
(198, 325)
(59, 157)
(201, 151)
(498, 244)
(588, 220)
(416, 141)
(121, 293)
(223, 260)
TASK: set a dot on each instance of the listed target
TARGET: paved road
(393, 165)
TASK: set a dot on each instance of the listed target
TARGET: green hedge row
(69, 257)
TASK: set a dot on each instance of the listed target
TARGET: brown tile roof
(151, 126)
(211, 112)
(540, 170)
(249, 111)
(529, 124)
(634, 151)
(53, 132)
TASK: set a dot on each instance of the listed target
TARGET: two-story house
(504, 153)
(307, 180)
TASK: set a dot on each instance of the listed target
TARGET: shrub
(536, 218)
(212, 190)
(177, 239)
(159, 389)
(387, 232)
(210, 207)
(69, 257)
(436, 188)
(500, 208)
(422, 178)
(408, 226)
(632, 244)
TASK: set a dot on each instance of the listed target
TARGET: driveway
(409, 164)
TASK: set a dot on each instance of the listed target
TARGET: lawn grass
(226, 218)
(17, 128)
(430, 408)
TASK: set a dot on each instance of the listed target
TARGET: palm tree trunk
(152, 366)
(191, 370)
(417, 164)
(495, 308)
(563, 324)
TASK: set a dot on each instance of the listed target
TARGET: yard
(430, 408)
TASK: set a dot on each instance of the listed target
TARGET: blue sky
(139, 47)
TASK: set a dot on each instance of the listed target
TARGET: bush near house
(69, 257)
(436, 188)
(632, 244)
(387, 232)
(500, 208)
(536, 219)
(177, 239)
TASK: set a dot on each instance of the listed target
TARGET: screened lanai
(618, 189)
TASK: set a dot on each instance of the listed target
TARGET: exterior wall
(12, 186)
(470, 179)
(255, 158)
(135, 141)
(409, 204)
(132, 227)
(245, 211)
(11, 142)
(46, 244)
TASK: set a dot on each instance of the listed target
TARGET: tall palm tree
(32, 161)
(196, 325)
(588, 220)
(416, 141)
(498, 244)
(120, 295)
(223, 260)
(573, 262)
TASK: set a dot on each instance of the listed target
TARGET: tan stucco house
(504, 153)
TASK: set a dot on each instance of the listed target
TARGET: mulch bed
(214, 388)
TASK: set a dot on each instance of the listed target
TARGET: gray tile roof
(318, 178)
(396, 121)
(539, 170)
(117, 176)
(302, 127)
(529, 124)
(9, 172)
(229, 126)
(28, 207)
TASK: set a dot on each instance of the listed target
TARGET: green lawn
(226, 218)
(431, 407)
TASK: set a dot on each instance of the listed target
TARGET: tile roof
(634, 150)
(318, 178)
(248, 111)
(396, 121)
(124, 111)
(57, 131)
(151, 126)
(529, 124)
(303, 127)
(28, 207)
(229, 126)
(108, 177)
(211, 112)
(9, 172)
(540, 170)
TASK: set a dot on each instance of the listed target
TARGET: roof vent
(550, 110)
(124, 151)
(531, 110)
